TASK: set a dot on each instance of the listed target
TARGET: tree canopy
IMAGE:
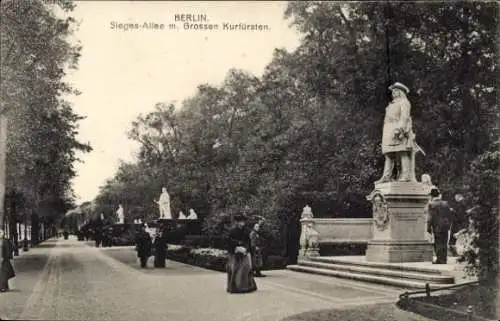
(42, 126)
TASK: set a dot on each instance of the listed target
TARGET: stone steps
(388, 266)
(376, 273)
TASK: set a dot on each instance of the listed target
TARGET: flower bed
(213, 259)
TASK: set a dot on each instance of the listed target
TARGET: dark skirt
(6, 273)
(257, 260)
(159, 261)
(239, 274)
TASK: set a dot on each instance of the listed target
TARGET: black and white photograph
(249, 160)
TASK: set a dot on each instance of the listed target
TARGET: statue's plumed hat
(398, 85)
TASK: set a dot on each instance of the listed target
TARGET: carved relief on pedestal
(380, 211)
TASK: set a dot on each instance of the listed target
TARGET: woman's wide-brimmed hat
(398, 85)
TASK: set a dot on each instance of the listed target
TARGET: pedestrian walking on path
(6, 269)
(160, 248)
(143, 246)
(240, 277)
(257, 261)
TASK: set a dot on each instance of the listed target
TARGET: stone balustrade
(331, 231)
(343, 230)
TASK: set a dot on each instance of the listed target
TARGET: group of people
(245, 259)
(147, 247)
(103, 237)
(445, 222)
(244, 247)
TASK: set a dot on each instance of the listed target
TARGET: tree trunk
(35, 229)
(13, 231)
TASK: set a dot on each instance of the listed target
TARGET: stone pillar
(309, 245)
(399, 223)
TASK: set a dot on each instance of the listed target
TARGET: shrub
(197, 241)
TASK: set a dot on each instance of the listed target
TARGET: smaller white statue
(427, 181)
(182, 216)
(309, 240)
(120, 215)
(192, 215)
(307, 212)
(102, 216)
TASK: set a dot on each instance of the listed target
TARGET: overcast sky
(124, 73)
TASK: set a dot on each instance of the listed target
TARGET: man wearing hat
(439, 224)
(397, 135)
(143, 245)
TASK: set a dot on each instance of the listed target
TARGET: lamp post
(3, 153)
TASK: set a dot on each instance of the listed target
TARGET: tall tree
(35, 54)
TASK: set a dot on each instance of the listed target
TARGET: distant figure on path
(160, 245)
(143, 246)
(240, 277)
(182, 216)
(192, 215)
(164, 205)
(6, 269)
(439, 224)
(98, 237)
(256, 243)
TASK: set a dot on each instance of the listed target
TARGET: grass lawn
(472, 295)
(379, 312)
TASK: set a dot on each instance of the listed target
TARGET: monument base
(392, 251)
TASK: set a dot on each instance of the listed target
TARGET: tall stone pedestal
(399, 223)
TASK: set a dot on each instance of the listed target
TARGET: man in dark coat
(143, 246)
(98, 237)
(256, 251)
(160, 245)
(439, 224)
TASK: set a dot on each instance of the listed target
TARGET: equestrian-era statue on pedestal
(398, 139)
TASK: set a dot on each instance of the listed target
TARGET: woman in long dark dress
(240, 277)
(160, 245)
(6, 269)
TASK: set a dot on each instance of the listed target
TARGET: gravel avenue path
(69, 280)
